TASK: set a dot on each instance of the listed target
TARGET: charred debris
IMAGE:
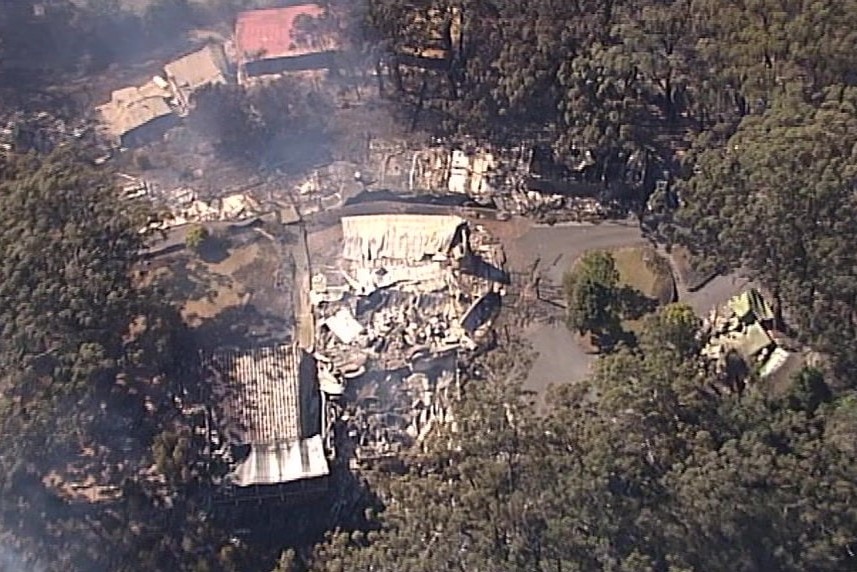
(144, 130)
(387, 324)
(381, 334)
(410, 297)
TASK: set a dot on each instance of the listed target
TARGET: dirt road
(557, 247)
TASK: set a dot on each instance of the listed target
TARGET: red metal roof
(269, 34)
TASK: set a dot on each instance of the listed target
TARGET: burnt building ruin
(408, 297)
(138, 115)
(195, 71)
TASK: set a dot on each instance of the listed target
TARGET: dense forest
(89, 362)
(639, 469)
(751, 104)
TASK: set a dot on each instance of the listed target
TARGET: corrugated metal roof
(262, 393)
(268, 396)
(273, 33)
(403, 237)
(193, 71)
(282, 463)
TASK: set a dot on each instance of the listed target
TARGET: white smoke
(11, 561)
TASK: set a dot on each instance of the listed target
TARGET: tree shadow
(187, 281)
(633, 304)
(241, 327)
(612, 337)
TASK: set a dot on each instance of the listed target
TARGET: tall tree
(622, 473)
(87, 358)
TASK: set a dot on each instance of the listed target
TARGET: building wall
(315, 61)
(182, 94)
(148, 132)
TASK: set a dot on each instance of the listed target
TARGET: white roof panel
(409, 238)
(282, 462)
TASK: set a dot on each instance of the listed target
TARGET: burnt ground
(550, 250)
(236, 294)
(241, 300)
(359, 133)
(245, 296)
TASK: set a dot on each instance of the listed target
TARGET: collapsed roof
(401, 237)
(390, 336)
(469, 175)
(741, 327)
(751, 305)
(133, 107)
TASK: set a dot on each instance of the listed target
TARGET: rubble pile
(551, 207)
(190, 209)
(742, 328)
(391, 329)
(328, 187)
(497, 177)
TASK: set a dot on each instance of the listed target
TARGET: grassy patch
(642, 271)
(646, 271)
(645, 282)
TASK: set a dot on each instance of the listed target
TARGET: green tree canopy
(590, 291)
(88, 361)
(676, 327)
(196, 236)
(611, 76)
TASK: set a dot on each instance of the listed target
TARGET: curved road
(561, 359)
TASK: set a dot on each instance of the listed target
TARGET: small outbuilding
(282, 40)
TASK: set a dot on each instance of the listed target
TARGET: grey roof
(193, 71)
